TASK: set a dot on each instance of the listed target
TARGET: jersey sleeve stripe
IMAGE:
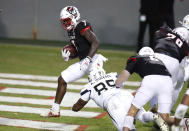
(86, 28)
(134, 59)
(83, 92)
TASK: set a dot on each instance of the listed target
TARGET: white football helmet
(96, 73)
(146, 51)
(69, 17)
(183, 32)
(185, 22)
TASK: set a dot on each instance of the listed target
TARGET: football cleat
(186, 124)
(176, 128)
(160, 122)
(51, 113)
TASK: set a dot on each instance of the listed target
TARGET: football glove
(85, 63)
(65, 55)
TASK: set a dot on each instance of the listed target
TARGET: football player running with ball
(115, 101)
(86, 43)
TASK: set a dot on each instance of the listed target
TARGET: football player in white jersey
(115, 101)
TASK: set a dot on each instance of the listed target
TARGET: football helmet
(182, 32)
(69, 17)
(96, 73)
(185, 22)
(146, 51)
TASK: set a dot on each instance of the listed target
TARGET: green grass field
(43, 60)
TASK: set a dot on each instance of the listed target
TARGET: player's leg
(164, 96)
(144, 116)
(72, 73)
(181, 110)
(143, 95)
(118, 106)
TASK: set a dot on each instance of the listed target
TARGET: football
(71, 48)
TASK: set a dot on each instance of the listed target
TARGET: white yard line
(29, 91)
(37, 124)
(37, 84)
(68, 101)
(41, 92)
(24, 109)
(52, 78)
(35, 77)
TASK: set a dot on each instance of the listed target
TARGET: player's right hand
(65, 55)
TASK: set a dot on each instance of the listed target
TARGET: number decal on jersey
(85, 23)
(177, 41)
(103, 86)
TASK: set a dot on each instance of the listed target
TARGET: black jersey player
(156, 82)
(86, 43)
(171, 47)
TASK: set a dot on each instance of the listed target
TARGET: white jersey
(115, 101)
(100, 90)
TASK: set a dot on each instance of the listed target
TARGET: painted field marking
(54, 78)
(37, 84)
(29, 91)
(69, 100)
(41, 92)
(25, 109)
(36, 77)
(37, 124)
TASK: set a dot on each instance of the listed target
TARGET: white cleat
(51, 113)
(176, 128)
(160, 122)
(186, 124)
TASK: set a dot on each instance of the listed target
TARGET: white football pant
(118, 106)
(73, 72)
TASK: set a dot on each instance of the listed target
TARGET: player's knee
(61, 81)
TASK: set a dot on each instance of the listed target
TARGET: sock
(128, 122)
(148, 116)
(56, 106)
(181, 111)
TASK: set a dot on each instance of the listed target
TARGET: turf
(44, 60)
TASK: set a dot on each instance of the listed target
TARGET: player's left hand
(85, 63)
(65, 54)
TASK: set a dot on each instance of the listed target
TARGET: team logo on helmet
(69, 17)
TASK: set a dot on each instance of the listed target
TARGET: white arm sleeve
(85, 94)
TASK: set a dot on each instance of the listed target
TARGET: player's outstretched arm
(79, 105)
(122, 78)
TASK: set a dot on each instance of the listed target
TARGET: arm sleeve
(83, 26)
(85, 94)
(131, 62)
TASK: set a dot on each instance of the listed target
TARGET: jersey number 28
(177, 41)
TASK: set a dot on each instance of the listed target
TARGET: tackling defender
(156, 82)
(86, 43)
(115, 101)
